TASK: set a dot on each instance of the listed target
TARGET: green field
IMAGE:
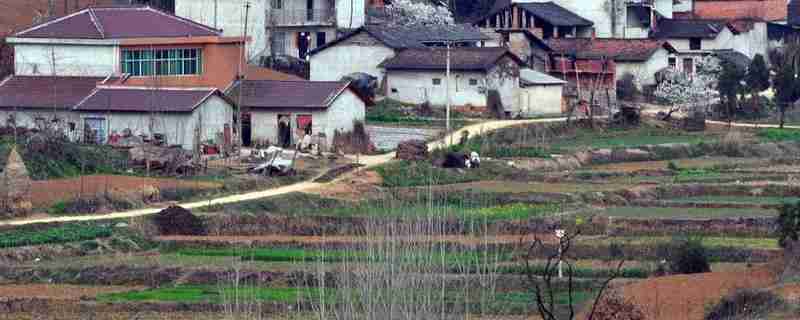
(686, 213)
(36, 235)
(734, 200)
(709, 242)
(213, 294)
(615, 138)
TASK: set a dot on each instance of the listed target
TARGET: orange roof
(258, 73)
(768, 10)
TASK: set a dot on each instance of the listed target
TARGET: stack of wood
(412, 150)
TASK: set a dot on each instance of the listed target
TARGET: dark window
(394, 90)
(672, 62)
(473, 82)
(321, 39)
(437, 81)
(695, 44)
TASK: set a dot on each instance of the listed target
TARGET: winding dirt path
(369, 161)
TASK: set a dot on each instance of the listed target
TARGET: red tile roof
(118, 22)
(258, 73)
(45, 92)
(289, 94)
(136, 99)
(618, 49)
(768, 10)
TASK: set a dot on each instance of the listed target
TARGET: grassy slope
(686, 213)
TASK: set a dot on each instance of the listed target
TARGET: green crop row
(58, 234)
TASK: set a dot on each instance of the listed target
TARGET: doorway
(310, 10)
(302, 45)
(94, 130)
(284, 130)
(247, 130)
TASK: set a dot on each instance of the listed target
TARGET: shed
(282, 112)
(539, 94)
(184, 117)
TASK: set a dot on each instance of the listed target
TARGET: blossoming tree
(418, 12)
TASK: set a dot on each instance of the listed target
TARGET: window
(321, 39)
(473, 82)
(672, 62)
(146, 62)
(695, 44)
(437, 81)
(277, 4)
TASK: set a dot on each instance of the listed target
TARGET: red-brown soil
(686, 296)
(58, 292)
(48, 192)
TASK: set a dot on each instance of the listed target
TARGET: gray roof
(688, 28)
(530, 77)
(555, 14)
(403, 37)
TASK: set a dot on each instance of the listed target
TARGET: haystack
(16, 186)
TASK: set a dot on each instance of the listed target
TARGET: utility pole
(448, 91)
(241, 76)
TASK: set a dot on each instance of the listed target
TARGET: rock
(412, 150)
(121, 225)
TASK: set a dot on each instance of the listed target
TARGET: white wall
(683, 6)
(346, 109)
(418, 87)
(750, 43)
(70, 60)
(346, 58)
(644, 71)
(26, 118)
(538, 100)
(230, 18)
(177, 128)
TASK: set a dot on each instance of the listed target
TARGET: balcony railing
(301, 17)
(648, 3)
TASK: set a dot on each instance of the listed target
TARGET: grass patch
(619, 138)
(36, 235)
(778, 135)
(423, 173)
(687, 213)
(579, 272)
(58, 158)
(735, 200)
(709, 242)
(195, 294)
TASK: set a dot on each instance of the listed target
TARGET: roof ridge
(91, 94)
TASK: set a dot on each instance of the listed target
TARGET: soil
(59, 291)
(686, 296)
(789, 292)
(362, 185)
(48, 192)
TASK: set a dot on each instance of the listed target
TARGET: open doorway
(302, 45)
(284, 130)
(247, 130)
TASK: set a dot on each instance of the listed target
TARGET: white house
(281, 112)
(184, 117)
(419, 75)
(539, 94)
(364, 48)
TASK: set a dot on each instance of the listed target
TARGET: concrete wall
(538, 100)
(228, 15)
(26, 118)
(177, 128)
(346, 109)
(644, 71)
(69, 60)
(361, 53)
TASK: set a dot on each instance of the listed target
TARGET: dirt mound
(413, 150)
(686, 296)
(176, 220)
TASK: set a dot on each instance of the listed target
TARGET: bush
(176, 220)
(688, 255)
(788, 223)
(745, 304)
(626, 87)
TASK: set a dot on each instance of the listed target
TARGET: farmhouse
(639, 57)
(419, 75)
(282, 112)
(182, 117)
(363, 49)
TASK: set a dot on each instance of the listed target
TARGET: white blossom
(411, 12)
(684, 91)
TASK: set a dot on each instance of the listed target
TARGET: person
(467, 162)
(475, 160)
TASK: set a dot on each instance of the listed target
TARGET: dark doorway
(302, 45)
(284, 130)
(247, 130)
(310, 10)
(321, 39)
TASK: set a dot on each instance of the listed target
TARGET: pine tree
(757, 79)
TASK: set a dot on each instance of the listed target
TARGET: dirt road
(369, 161)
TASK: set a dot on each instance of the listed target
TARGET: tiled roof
(530, 77)
(136, 99)
(692, 28)
(620, 50)
(767, 10)
(288, 94)
(45, 92)
(461, 58)
(16, 15)
(118, 22)
(555, 14)
(259, 73)
(401, 37)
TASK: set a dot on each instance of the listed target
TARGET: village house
(283, 112)
(544, 19)
(184, 117)
(419, 75)
(694, 39)
(365, 48)
(539, 94)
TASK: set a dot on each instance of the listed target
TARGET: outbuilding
(282, 112)
(539, 94)
(184, 117)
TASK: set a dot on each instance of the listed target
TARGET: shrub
(788, 223)
(688, 255)
(745, 304)
(626, 87)
(176, 220)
